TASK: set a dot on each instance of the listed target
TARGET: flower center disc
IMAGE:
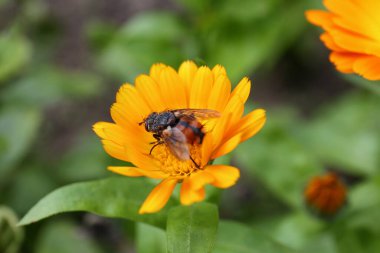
(174, 167)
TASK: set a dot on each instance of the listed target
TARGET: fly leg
(196, 165)
(156, 143)
(157, 137)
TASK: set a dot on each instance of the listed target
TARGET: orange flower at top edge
(177, 146)
(326, 194)
(352, 33)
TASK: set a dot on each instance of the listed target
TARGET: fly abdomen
(192, 130)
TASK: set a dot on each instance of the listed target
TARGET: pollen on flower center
(174, 167)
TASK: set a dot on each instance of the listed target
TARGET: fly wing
(197, 113)
(177, 143)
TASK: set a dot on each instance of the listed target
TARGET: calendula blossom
(166, 89)
(326, 194)
(352, 33)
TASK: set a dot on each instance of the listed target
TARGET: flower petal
(187, 72)
(250, 122)
(136, 172)
(132, 104)
(173, 89)
(200, 179)
(220, 93)
(224, 176)
(227, 146)
(229, 120)
(150, 92)
(201, 88)
(371, 9)
(110, 131)
(132, 129)
(155, 71)
(219, 130)
(159, 196)
(242, 90)
(143, 160)
(219, 70)
(192, 189)
(320, 18)
(329, 43)
(355, 43)
(369, 67)
(190, 196)
(352, 33)
(344, 61)
(126, 145)
(207, 149)
(115, 150)
(355, 18)
(113, 139)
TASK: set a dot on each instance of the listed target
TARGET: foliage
(48, 104)
(124, 196)
(217, 38)
(192, 229)
(11, 234)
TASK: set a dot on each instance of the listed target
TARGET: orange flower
(352, 33)
(166, 89)
(326, 194)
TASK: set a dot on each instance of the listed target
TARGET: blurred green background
(61, 63)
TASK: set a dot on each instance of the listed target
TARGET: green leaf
(141, 42)
(323, 242)
(11, 236)
(242, 48)
(346, 134)
(15, 52)
(144, 27)
(21, 196)
(192, 228)
(237, 238)
(86, 160)
(65, 237)
(297, 230)
(47, 85)
(278, 159)
(364, 219)
(373, 86)
(248, 10)
(196, 6)
(150, 239)
(365, 195)
(18, 128)
(99, 34)
(364, 205)
(3, 2)
(356, 240)
(116, 197)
